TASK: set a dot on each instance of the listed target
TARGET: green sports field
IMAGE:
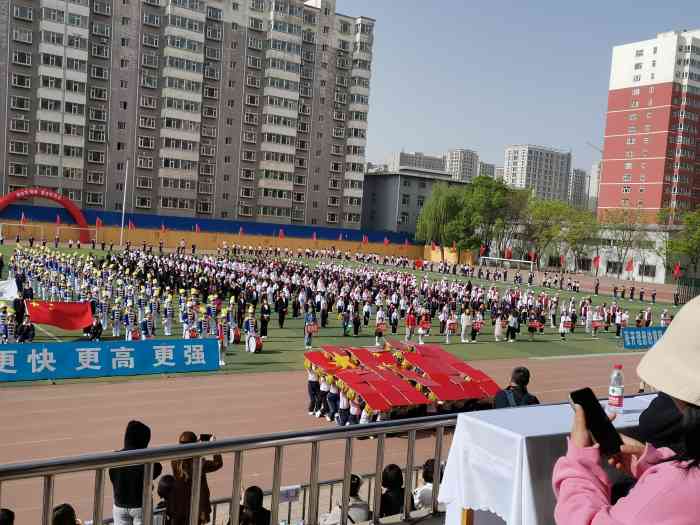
(284, 348)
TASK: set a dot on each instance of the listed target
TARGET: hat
(673, 363)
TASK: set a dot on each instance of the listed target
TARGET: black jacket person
(128, 481)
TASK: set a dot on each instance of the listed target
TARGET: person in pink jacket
(668, 484)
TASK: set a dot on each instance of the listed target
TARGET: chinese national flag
(132, 226)
(561, 260)
(98, 223)
(630, 265)
(281, 233)
(58, 220)
(386, 241)
(677, 270)
(509, 253)
(197, 229)
(23, 219)
(365, 239)
(596, 261)
(313, 236)
(69, 316)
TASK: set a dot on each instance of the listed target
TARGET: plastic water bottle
(616, 392)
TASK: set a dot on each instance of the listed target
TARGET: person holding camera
(182, 471)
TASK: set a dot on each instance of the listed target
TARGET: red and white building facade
(651, 159)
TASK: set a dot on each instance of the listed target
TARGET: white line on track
(48, 333)
(579, 356)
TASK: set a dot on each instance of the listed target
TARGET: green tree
(437, 212)
(624, 229)
(543, 224)
(686, 242)
(579, 233)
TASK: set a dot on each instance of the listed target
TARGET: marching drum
(254, 344)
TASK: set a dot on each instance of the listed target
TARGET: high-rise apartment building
(462, 164)
(578, 188)
(593, 182)
(248, 110)
(415, 160)
(487, 170)
(544, 171)
(650, 160)
(498, 173)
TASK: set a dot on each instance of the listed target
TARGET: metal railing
(100, 463)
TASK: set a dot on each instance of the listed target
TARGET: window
(19, 148)
(24, 104)
(332, 218)
(22, 81)
(96, 177)
(627, 189)
(18, 170)
(143, 202)
(21, 58)
(252, 100)
(646, 270)
(249, 155)
(22, 35)
(23, 13)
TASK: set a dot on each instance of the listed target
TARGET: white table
(500, 462)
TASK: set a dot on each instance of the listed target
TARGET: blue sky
(485, 74)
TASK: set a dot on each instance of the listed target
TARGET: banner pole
(126, 184)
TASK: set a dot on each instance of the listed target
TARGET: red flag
(482, 250)
(240, 231)
(69, 316)
(197, 229)
(677, 272)
(313, 236)
(23, 219)
(596, 261)
(433, 247)
(162, 227)
(561, 260)
(98, 223)
(630, 265)
(529, 255)
(58, 220)
(281, 234)
(365, 239)
(509, 253)
(386, 241)
(132, 226)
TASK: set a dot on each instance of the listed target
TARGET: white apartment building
(543, 170)
(415, 160)
(593, 182)
(578, 188)
(462, 164)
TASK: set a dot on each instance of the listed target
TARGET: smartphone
(597, 421)
(205, 437)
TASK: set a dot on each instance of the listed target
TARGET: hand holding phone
(591, 417)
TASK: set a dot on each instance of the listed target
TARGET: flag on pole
(630, 265)
(365, 239)
(162, 227)
(562, 260)
(58, 220)
(677, 272)
(313, 236)
(509, 252)
(340, 236)
(132, 226)
(405, 243)
(240, 231)
(197, 229)
(596, 261)
(281, 233)
(98, 223)
(23, 219)
(386, 241)
(482, 250)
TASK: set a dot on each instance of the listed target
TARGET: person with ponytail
(667, 481)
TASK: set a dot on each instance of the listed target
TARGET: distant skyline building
(498, 173)
(578, 188)
(543, 170)
(462, 164)
(487, 170)
(416, 160)
(593, 182)
(650, 160)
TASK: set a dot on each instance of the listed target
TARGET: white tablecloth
(501, 461)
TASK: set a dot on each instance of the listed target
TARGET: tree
(543, 224)
(686, 243)
(625, 232)
(437, 212)
(579, 233)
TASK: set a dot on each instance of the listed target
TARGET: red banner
(677, 273)
(596, 261)
(58, 220)
(386, 241)
(98, 223)
(69, 316)
(630, 265)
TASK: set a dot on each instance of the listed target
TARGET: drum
(425, 325)
(135, 335)
(477, 325)
(567, 325)
(254, 344)
(452, 327)
(312, 328)
(193, 333)
(535, 325)
(381, 328)
(596, 325)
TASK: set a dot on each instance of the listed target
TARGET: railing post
(276, 482)
(379, 467)
(408, 484)
(98, 498)
(313, 484)
(147, 494)
(437, 469)
(196, 489)
(236, 489)
(347, 473)
(47, 502)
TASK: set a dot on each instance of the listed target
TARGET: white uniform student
(465, 321)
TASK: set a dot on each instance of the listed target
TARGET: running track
(69, 419)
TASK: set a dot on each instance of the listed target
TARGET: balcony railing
(47, 470)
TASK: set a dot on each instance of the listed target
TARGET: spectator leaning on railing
(358, 509)
(668, 482)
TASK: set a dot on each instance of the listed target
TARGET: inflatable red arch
(69, 205)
